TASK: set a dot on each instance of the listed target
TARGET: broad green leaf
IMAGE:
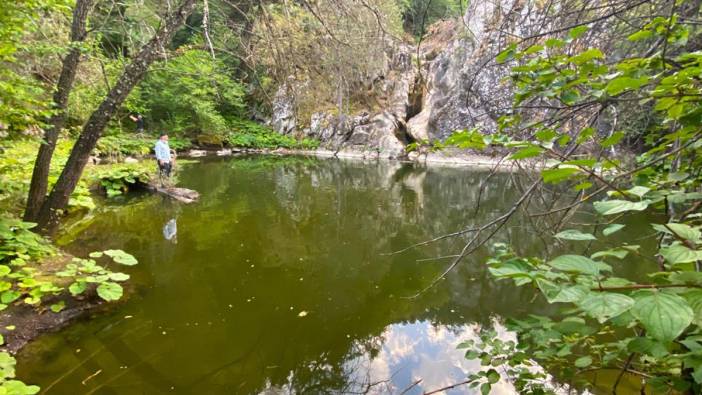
(507, 54)
(647, 346)
(578, 264)
(528, 152)
(118, 276)
(694, 278)
(640, 35)
(664, 316)
(638, 191)
(678, 253)
(109, 291)
(510, 269)
(583, 362)
(121, 257)
(615, 252)
(554, 176)
(613, 228)
(605, 305)
(57, 307)
(694, 299)
(614, 139)
(570, 294)
(4, 270)
(77, 288)
(492, 376)
(8, 297)
(577, 31)
(624, 83)
(684, 231)
(590, 54)
(610, 207)
(572, 234)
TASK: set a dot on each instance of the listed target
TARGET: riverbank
(447, 157)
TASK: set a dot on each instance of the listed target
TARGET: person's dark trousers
(165, 168)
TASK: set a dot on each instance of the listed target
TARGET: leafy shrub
(118, 179)
(123, 145)
(250, 134)
(16, 166)
(7, 374)
(191, 94)
(19, 245)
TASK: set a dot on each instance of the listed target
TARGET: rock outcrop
(451, 83)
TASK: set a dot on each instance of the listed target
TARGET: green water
(277, 281)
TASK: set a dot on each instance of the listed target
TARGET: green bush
(16, 166)
(118, 179)
(250, 134)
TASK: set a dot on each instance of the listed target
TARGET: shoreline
(450, 158)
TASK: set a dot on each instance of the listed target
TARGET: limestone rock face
(284, 120)
(451, 83)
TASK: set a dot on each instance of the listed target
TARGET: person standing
(139, 121)
(163, 155)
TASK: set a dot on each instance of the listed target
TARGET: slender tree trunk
(40, 174)
(133, 73)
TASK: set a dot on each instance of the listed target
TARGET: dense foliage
(648, 326)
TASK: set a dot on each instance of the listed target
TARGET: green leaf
(610, 207)
(492, 376)
(121, 257)
(638, 191)
(614, 139)
(110, 291)
(694, 278)
(613, 228)
(554, 176)
(507, 54)
(684, 231)
(590, 54)
(694, 299)
(615, 252)
(621, 84)
(605, 305)
(485, 389)
(678, 253)
(4, 270)
(578, 264)
(647, 346)
(640, 35)
(577, 31)
(583, 362)
(528, 152)
(665, 316)
(77, 288)
(57, 307)
(8, 297)
(118, 276)
(572, 234)
(570, 294)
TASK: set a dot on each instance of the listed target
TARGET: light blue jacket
(163, 152)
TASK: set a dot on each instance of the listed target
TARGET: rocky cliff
(447, 83)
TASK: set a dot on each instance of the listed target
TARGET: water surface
(278, 281)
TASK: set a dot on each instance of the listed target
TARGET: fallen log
(181, 194)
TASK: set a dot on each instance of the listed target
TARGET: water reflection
(271, 238)
(170, 230)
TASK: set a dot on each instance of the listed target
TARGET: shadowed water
(277, 281)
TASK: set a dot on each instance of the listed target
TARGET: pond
(279, 281)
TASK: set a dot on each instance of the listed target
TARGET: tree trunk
(133, 73)
(40, 174)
